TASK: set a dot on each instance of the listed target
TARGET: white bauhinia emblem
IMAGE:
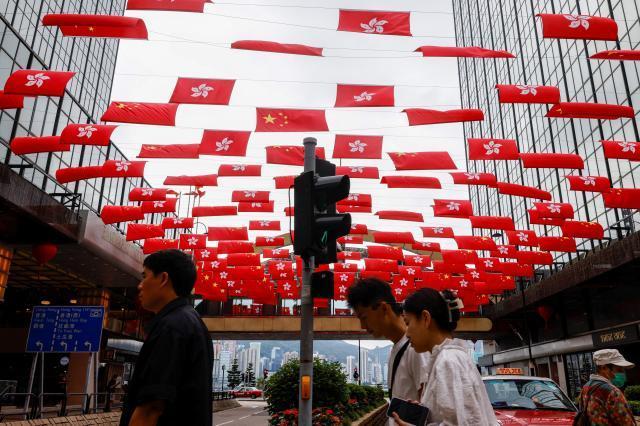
(280, 266)
(177, 221)
(503, 250)
(473, 176)
(122, 166)
(264, 223)
(522, 236)
(527, 89)
(403, 282)
(286, 286)
(357, 146)
(357, 169)
(231, 284)
(418, 260)
(627, 147)
(438, 229)
(283, 275)
(250, 194)
(411, 271)
(492, 148)
(464, 283)
(256, 204)
(364, 96)
(86, 131)
(158, 204)
(343, 289)
(201, 90)
(475, 275)
(36, 79)
(344, 277)
(276, 252)
(192, 241)
(224, 144)
(353, 197)
(488, 263)
(147, 192)
(374, 26)
(554, 208)
(577, 21)
(269, 239)
(238, 167)
(453, 206)
(215, 264)
(205, 254)
(398, 291)
(588, 180)
(223, 275)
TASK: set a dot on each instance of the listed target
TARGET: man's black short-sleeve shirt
(175, 366)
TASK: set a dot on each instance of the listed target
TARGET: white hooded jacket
(454, 392)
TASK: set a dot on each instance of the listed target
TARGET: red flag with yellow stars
(290, 120)
(141, 113)
(289, 154)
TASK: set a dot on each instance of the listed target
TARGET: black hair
(369, 292)
(178, 265)
(442, 307)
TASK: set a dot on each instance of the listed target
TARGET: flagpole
(306, 321)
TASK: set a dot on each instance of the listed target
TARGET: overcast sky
(196, 45)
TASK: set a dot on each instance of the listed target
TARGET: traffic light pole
(306, 325)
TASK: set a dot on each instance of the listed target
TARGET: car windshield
(527, 394)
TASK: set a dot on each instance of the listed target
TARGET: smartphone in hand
(409, 412)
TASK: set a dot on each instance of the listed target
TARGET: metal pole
(359, 365)
(306, 310)
(32, 375)
(41, 383)
(95, 381)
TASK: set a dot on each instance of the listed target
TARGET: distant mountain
(334, 350)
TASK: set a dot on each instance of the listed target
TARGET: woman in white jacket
(453, 392)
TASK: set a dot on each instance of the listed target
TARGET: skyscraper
(351, 364)
(276, 358)
(364, 366)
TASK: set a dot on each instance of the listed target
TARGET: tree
(249, 375)
(233, 378)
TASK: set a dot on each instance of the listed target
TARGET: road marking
(220, 424)
(245, 417)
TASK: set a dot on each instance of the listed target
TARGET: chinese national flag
(32, 145)
(385, 252)
(359, 229)
(284, 182)
(424, 182)
(202, 91)
(224, 142)
(290, 120)
(563, 244)
(576, 229)
(375, 22)
(290, 155)
(356, 146)
(221, 233)
(438, 160)
(622, 198)
(180, 5)
(235, 247)
(142, 231)
(116, 214)
(141, 113)
(156, 244)
(169, 151)
(400, 215)
(420, 116)
(243, 259)
(11, 101)
(349, 95)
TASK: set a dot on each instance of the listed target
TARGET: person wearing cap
(601, 398)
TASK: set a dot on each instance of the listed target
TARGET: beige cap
(611, 356)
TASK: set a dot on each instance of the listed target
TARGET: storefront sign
(510, 371)
(615, 337)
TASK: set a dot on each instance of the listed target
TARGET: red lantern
(44, 252)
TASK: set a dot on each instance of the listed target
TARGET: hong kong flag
(290, 120)
(375, 22)
(177, 222)
(179, 6)
(229, 170)
(420, 116)
(349, 95)
(589, 183)
(437, 232)
(358, 229)
(527, 94)
(87, 134)
(165, 206)
(340, 288)
(255, 206)
(471, 178)
(452, 208)
(357, 146)
(536, 219)
(224, 142)
(269, 241)
(141, 113)
(439, 160)
(358, 172)
(122, 168)
(148, 194)
(37, 82)
(205, 255)
(345, 267)
(351, 239)
(290, 155)
(248, 195)
(287, 289)
(506, 251)
(264, 225)
(412, 272)
(417, 260)
(243, 259)
(582, 27)
(193, 241)
(276, 253)
(349, 255)
(202, 91)
(622, 150)
(523, 238)
(554, 210)
(30, 145)
(170, 151)
(426, 246)
(493, 149)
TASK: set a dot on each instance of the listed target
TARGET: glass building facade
(26, 44)
(512, 25)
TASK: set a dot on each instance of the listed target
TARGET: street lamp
(223, 368)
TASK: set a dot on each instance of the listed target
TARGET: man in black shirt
(171, 383)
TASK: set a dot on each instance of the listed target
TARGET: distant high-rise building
(352, 363)
(364, 366)
(288, 356)
(276, 359)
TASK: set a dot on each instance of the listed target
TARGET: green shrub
(632, 393)
(635, 407)
(329, 386)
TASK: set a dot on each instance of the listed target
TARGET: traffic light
(317, 225)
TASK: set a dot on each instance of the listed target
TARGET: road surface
(251, 413)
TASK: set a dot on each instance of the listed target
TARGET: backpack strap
(396, 364)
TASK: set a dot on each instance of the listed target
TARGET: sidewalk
(107, 419)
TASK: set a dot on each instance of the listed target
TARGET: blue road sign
(65, 329)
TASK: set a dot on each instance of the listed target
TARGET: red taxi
(246, 392)
(526, 400)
